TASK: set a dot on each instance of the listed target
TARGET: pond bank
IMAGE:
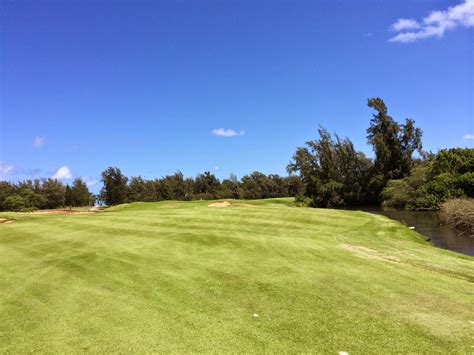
(428, 224)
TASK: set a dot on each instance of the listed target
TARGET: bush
(432, 194)
(397, 193)
(302, 201)
(331, 194)
(454, 160)
(15, 203)
(459, 214)
(465, 182)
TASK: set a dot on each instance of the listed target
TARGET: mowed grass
(256, 277)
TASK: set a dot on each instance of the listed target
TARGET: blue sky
(227, 86)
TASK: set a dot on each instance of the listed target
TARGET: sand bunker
(6, 220)
(219, 204)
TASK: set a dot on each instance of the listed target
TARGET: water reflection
(427, 223)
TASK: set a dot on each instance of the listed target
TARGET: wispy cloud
(10, 170)
(31, 172)
(469, 136)
(38, 142)
(223, 132)
(435, 24)
(62, 173)
(90, 181)
(6, 170)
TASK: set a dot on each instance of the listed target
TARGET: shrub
(302, 201)
(15, 203)
(465, 182)
(331, 194)
(432, 194)
(454, 160)
(459, 214)
(397, 193)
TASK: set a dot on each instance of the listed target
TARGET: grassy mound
(260, 276)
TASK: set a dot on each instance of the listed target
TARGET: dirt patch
(95, 209)
(58, 212)
(6, 220)
(219, 204)
(369, 253)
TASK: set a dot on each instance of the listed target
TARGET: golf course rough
(263, 276)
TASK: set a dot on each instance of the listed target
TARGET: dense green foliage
(335, 174)
(115, 186)
(446, 175)
(393, 144)
(454, 161)
(42, 194)
(118, 188)
(78, 195)
(254, 277)
(205, 186)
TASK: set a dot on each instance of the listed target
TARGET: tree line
(35, 194)
(118, 188)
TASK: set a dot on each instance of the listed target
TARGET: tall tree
(68, 198)
(80, 193)
(206, 185)
(137, 189)
(294, 185)
(393, 144)
(115, 187)
(53, 190)
(256, 185)
(174, 187)
(6, 189)
(230, 188)
(332, 171)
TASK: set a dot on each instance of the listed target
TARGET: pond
(427, 223)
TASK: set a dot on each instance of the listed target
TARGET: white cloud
(223, 132)
(38, 142)
(404, 24)
(6, 170)
(62, 173)
(216, 168)
(435, 24)
(469, 136)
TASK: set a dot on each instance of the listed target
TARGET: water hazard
(427, 223)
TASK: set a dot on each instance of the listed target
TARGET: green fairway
(251, 277)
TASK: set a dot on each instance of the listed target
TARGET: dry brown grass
(6, 220)
(459, 214)
(219, 204)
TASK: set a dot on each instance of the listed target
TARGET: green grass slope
(252, 277)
